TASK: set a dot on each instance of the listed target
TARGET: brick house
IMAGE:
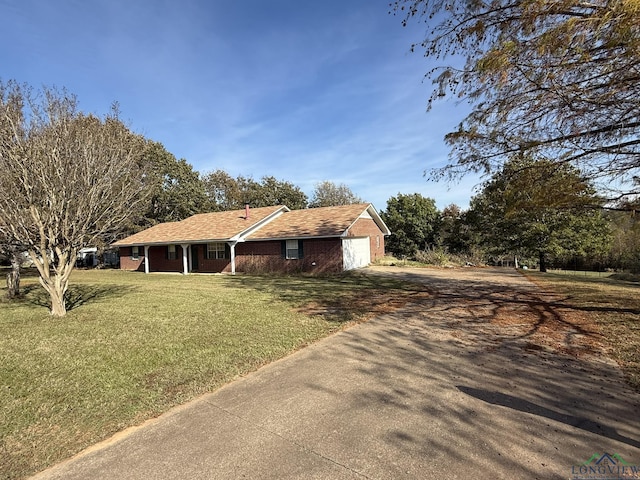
(258, 240)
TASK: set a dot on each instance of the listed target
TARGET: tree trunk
(543, 261)
(13, 277)
(56, 280)
(56, 286)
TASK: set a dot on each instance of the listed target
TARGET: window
(135, 253)
(217, 250)
(292, 249)
(171, 252)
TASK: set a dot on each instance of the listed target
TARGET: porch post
(190, 259)
(185, 263)
(146, 259)
(232, 247)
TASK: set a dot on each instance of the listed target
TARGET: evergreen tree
(537, 208)
(413, 221)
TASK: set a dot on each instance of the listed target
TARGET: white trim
(242, 236)
(185, 258)
(370, 212)
(146, 259)
(232, 248)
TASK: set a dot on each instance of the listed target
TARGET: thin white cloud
(304, 91)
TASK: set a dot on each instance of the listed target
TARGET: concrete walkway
(425, 392)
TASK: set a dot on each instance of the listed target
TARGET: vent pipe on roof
(246, 211)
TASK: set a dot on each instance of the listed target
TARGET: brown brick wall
(128, 263)
(212, 265)
(364, 227)
(158, 261)
(319, 256)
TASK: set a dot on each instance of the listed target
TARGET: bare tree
(67, 180)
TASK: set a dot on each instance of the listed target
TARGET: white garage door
(355, 253)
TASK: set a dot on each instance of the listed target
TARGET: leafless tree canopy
(67, 179)
(558, 80)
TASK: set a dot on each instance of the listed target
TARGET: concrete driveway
(443, 388)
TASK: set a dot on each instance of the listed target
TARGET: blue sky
(304, 91)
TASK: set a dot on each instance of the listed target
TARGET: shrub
(433, 256)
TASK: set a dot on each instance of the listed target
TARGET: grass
(614, 305)
(389, 261)
(133, 345)
(581, 273)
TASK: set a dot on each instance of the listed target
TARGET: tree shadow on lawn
(340, 297)
(505, 310)
(76, 296)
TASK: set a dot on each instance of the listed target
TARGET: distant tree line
(531, 212)
(554, 110)
(177, 191)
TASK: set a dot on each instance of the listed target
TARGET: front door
(194, 257)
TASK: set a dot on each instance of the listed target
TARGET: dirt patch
(501, 305)
(365, 305)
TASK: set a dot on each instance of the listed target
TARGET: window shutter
(166, 253)
(300, 251)
(227, 251)
(284, 248)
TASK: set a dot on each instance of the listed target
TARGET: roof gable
(318, 222)
(215, 226)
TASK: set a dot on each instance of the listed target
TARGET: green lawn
(134, 345)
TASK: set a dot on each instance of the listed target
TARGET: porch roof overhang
(174, 242)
